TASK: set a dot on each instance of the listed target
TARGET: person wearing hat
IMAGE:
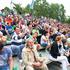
(6, 61)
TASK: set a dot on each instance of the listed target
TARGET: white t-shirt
(42, 40)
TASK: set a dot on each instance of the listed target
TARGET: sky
(66, 3)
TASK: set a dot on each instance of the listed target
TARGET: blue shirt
(4, 57)
(9, 28)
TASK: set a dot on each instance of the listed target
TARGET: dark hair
(28, 23)
(1, 46)
(16, 27)
(64, 41)
(3, 27)
(64, 33)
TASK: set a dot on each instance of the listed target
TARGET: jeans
(44, 45)
(17, 50)
(4, 68)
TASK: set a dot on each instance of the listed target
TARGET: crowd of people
(23, 37)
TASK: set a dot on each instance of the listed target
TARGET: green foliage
(54, 9)
(6, 11)
(62, 13)
(57, 12)
(27, 9)
(41, 8)
(68, 20)
(18, 9)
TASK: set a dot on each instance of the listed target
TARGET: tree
(62, 13)
(57, 12)
(41, 8)
(18, 9)
(27, 9)
(54, 9)
(68, 20)
(6, 10)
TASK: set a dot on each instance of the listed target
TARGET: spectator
(31, 58)
(57, 53)
(67, 50)
(9, 28)
(44, 40)
(16, 43)
(6, 61)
